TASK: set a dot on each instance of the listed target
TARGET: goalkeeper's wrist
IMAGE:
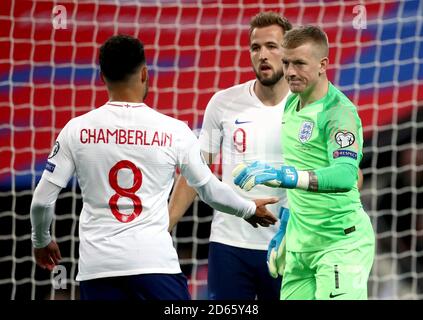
(306, 181)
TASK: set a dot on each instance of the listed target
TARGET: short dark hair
(301, 35)
(120, 57)
(269, 18)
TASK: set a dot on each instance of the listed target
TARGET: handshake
(246, 177)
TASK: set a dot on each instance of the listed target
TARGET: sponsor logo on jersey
(333, 295)
(345, 153)
(306, 130)
(344, 138)
(55, 150)
(50, 166)
(237, 121)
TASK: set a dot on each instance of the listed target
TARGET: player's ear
(323, 65)
(102, 77)
(144, 74)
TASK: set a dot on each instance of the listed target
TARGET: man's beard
(268, 82)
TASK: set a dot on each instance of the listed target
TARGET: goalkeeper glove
(246, 177)
(276, 252)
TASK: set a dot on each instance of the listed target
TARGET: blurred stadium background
(194, 48)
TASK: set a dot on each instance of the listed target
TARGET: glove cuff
(303, 180)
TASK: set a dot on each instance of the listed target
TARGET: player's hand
(48, 257)
(247, 177)
(276, 252)
(263, 217)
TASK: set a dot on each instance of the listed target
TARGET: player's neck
(126, 95)
(315, 93)
(125, 98)
(271, 95)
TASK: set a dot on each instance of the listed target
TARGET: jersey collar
(281, 104)
(126, 104)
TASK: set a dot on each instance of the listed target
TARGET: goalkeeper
(330, 241)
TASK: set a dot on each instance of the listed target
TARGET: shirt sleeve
(60, 165)
(211, 131)
(344, 144)
(42, 211)
(221, 197)
(329, 178)
(191, 161)
(344, 135)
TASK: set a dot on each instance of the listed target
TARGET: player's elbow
(37, 204)
(40, 202)
(349, 178)
(346, 187)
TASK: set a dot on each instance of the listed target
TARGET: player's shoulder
(168, 121)
(180, 130)
(234, 92)
(236, 89)
(291, 100)
(81, 119)
(93, 113)
(337, 99)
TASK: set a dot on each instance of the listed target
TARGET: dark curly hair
(120, 57)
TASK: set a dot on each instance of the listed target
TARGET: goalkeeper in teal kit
(329, 239)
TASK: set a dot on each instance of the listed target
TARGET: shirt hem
(202, 182)
(55, 181)
(241, 244)
(126, 273)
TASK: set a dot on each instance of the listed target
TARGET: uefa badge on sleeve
(344, 138)
(55, 150)
(306, 130)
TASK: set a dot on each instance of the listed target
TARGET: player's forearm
(41, 217)
(42, 211)
(221, 197)
(181, 199)
(340, 177)
(336, 178)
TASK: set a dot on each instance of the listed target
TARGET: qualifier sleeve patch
(55, 150)
(345, 153)
(344, 138)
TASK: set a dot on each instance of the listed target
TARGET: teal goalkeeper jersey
(319, 135)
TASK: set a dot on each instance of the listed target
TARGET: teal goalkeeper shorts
(340, 273)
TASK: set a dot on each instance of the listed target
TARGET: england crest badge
(306, 131)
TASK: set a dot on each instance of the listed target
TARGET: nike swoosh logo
(335, 295)
(241, 122)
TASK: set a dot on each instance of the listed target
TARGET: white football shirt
(237, 123)
(125, 156)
